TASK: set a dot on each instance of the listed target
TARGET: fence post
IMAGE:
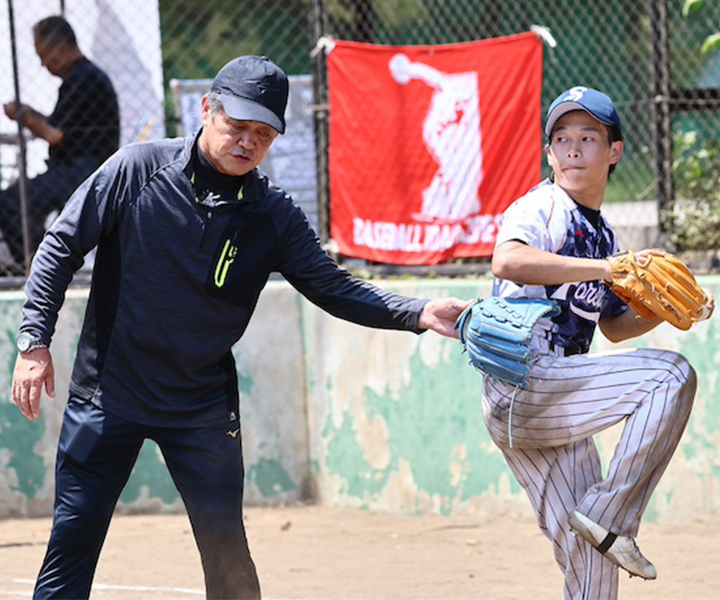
(661, 102)
(318, 27)
(22, 163)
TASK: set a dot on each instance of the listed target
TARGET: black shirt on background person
(82, 132)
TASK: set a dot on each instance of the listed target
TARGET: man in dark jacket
(187, 232)
(82, 131)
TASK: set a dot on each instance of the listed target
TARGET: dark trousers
(96, 454)
(45, 193)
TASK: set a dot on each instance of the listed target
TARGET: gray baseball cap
(253, 88)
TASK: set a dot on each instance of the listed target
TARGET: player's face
(580, 154)
(234, 147)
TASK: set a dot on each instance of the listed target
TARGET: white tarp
(123, 38)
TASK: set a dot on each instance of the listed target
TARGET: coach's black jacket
(175, 283)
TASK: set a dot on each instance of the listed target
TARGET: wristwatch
(27, 341)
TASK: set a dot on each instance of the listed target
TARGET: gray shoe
(621, 551)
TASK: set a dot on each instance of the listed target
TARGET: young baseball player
(553, 245)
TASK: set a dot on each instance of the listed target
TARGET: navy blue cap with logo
(253, 88)
(596, 104)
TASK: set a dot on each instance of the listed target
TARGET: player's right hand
(33, 370)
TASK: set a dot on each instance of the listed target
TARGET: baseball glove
(496, 332)
(659, 285)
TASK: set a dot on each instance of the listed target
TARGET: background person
(82, 131)
(187, 232)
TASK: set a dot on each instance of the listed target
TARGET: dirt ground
(317, 553)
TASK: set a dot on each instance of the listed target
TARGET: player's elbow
(500, 269)
(504, 264)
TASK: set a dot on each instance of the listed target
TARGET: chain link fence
(81, 92)
(161, 54)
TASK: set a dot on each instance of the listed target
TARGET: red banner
(430, 144)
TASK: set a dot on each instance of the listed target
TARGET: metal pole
(22, 187)
(318, 28)
(661, 101)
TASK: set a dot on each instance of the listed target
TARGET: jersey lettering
(590, 294)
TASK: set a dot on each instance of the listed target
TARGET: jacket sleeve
(90, 213)
(317, 277)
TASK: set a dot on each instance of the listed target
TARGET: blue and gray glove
(496, 333)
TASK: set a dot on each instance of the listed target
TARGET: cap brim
(566, 107)
(241, 109)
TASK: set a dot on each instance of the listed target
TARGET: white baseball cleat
(621, 551)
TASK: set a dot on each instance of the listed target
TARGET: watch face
(23, 342)
(26, 342)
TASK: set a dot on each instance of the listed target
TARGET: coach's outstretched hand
(440, 315)
(33, 370)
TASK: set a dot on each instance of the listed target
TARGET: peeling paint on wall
(397, 424)
(270, 477)
(388, 421)
(272, 413)
(432, 424)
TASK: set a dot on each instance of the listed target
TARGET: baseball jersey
(547, 218)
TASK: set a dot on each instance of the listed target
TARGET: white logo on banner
(451, 131)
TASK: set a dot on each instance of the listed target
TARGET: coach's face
(233, 147)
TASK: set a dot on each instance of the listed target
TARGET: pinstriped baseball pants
(554, 458)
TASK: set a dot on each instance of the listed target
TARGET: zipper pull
(206, 221)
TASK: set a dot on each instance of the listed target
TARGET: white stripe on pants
(554, 458)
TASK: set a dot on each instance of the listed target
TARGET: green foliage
(691, 6)
(200, 36)
(694, 218)
(712, 42)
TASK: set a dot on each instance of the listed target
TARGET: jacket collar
(251, 186)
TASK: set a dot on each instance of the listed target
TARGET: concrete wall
(351, 416)
(271, 373)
